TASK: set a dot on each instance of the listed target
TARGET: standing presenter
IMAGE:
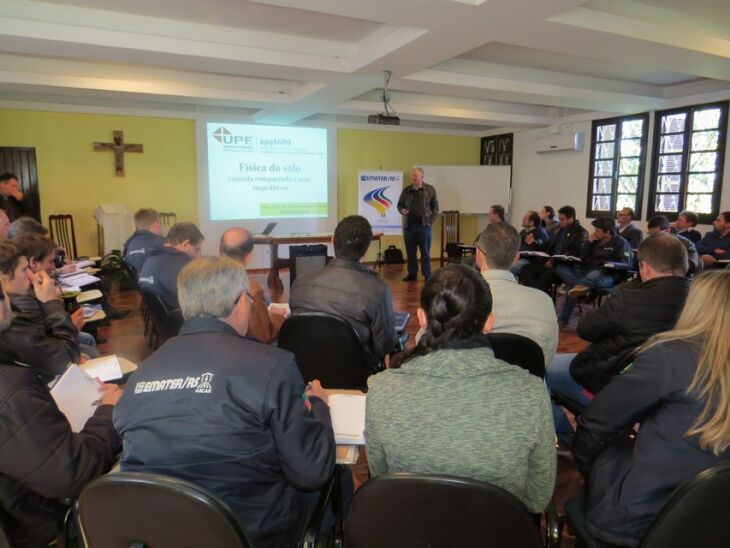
(419, 206)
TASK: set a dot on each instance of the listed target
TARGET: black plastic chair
(697, 514)
(414, 510)
(133, 510)
(327, 348)
(518, 350)
(167, 323)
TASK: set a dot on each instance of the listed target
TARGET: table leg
(273, 280)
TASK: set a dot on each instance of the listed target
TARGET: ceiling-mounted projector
(389, 116)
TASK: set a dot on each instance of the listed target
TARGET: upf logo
(378, 200)
(205, 387)
(225, 137)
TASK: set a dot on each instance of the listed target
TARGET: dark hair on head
(10, 254)
(457, 302)
(658, 221)
(499, 243)
(498, 210)
(726, 216)
(238, 251)
(180, 232)
(353, 235)
(629, 210)
(691, 216)
(549, 210)
(36, 247)
(7, 176)
(26, 225)
(534, 218)
(665, 253)
(568, 211)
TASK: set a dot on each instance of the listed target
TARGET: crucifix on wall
(118, 147)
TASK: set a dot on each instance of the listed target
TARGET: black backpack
(393, 255)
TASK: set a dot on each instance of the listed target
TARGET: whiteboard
(470, 189)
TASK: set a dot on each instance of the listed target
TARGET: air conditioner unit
(559, 142)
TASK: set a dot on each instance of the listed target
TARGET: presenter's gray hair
(209, 287)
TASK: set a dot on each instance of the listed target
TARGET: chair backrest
(167, 218)
(62, 231)
(167, 322)
(409, 510)
(697, 514)
(326, 348)
(131, 509)
(519, 350)
(449, 230)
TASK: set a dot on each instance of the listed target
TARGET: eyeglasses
(241, 294)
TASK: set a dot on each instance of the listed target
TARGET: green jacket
(463, 412)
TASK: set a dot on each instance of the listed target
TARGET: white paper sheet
(106, 368)
(348, 418)
(76, 395)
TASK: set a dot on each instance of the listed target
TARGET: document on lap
(567, 258)
(106, 368)
(534, 254)
(77, 395)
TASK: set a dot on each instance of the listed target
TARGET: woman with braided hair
(453, 408)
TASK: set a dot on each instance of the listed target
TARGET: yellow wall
(75, 179)
(393, 151)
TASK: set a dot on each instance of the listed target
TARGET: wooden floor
(125, 338)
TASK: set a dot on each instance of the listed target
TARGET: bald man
(237, 243)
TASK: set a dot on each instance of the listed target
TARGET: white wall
(561, 178)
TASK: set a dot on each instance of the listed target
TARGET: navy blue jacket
(226, 412)
(568, 241)
(616, 250)
(691, 234)
(140, 246)
(540, 242)
(712, 241)
(632, 234)
(159, 274)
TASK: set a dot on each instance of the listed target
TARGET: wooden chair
(449, 235)
(167, 219)
(63, 233)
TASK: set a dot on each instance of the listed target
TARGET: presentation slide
(266, 172)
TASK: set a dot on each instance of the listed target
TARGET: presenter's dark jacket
(568, 241)
(632, 234)
(159, 274)
(422, 205)
(615, 250)
(41, 335)
(635, 312)
(41, 459)
(15, 209)
(350, 290)
(540, 239)
(227, 412)
(140, 246)
(630, 480)
(713, 240)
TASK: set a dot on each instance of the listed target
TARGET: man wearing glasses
(627, 230)
(231, 414)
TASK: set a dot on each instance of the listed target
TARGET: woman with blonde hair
(678, 391)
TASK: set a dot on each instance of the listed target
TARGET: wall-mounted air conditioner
(555, 142)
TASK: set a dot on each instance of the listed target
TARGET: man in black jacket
(419, 206)
(145, 241)
(626, 229)
(636, 311)
(41, 459)
(12, 199)
(216, 408)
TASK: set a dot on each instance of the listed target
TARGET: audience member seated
(659, 224)
(50, 344)
(40, 252)
(26, 225)
(685, 226)
(603, 246)
(517, 309)
(715, 245)
(567, 241)
(4, 225)
(627, 230)
(349, 289)
(160, 271)
(237, 243)
(41, 459)
(549, 221)
(226, 412)
(495, 214)
(532, 238)
(146, 240)
(676, 390)
(11, 198)
(453, 408)
(636, 310)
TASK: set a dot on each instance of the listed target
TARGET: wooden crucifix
(118, 147)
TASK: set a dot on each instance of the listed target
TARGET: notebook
(348, 418)
(77, 396)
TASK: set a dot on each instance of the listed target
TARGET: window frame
(704, 218)
(618, 120)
